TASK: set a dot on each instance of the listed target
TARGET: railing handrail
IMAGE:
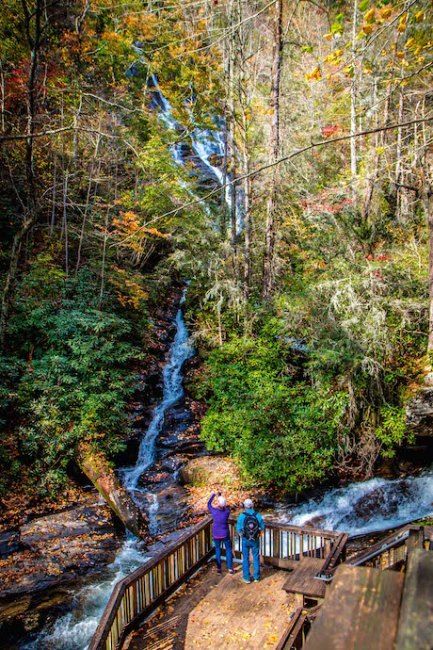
(120, 587)
(397, 538)
(305, 530)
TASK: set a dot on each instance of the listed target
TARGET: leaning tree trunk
(97, 469)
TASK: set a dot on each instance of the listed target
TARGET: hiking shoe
(231, 571)
(219, 571)
(256, 579)
(248, 582)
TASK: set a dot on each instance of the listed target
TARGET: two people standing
(249, 526)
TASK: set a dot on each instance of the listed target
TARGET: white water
(361, 508)
(74, 630)
(205, 143)
(181, 350)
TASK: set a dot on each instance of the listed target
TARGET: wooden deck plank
(302, 580)
(416, 616)
(236, 615)
(360, 611)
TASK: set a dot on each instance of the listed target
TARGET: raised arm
(209, 503)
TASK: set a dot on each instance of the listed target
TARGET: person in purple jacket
(220, 530)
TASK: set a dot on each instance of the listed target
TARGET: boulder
(211, 472)
(49, 554)
(419, 413)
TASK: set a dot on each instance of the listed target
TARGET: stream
(359, 508)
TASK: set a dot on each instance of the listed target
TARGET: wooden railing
(391, 551)
(138, 595)
(135, 597)
(283, 544)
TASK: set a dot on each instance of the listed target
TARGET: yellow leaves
(367, 28)
(130, 291)
(385, 12)
(410, 43)
(314, 75)
(380, 150)
(328, 36)
(370, 15)
(402, 23)
(334, 57)
(419, 16)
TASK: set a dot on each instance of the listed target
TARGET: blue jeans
(252, 545)
(229, 553)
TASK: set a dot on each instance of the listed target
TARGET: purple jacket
(220, 528)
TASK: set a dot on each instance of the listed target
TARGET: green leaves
(282, 433)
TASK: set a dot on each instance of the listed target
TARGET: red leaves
(330, 129)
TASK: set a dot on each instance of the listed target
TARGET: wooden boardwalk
(226, 613)
(366, 608)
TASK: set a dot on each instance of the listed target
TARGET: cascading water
(74, 630)
(180, 351)
(360, 508)
(206, 144)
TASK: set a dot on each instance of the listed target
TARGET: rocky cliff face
(41, 560)
(419, 413)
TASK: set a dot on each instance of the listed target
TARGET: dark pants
(229, 553)
(252, 545)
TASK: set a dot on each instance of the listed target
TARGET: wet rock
(381, 499)
(419, 413)
(9, 543)
(172, 508)
(53, 553)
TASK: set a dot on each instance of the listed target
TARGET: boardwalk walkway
(226, 613)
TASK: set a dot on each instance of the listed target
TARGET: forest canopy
(309, 261)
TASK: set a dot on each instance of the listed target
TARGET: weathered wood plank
(303, 581)
(360, 611)
(235, 615)
(415, 628)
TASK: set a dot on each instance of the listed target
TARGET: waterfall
(181, 350)
(205, 144)
(74, 630)
(360, 508)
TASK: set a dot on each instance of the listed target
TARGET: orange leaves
(133, 234)
(314, 75)
(385, 12)
(127, 223)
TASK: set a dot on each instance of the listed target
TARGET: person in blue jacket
(250, 526)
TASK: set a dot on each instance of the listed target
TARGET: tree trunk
(268, 266)
(353, 98)
(427, 198)
(98, 471)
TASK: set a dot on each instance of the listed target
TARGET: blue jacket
(241, 518)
